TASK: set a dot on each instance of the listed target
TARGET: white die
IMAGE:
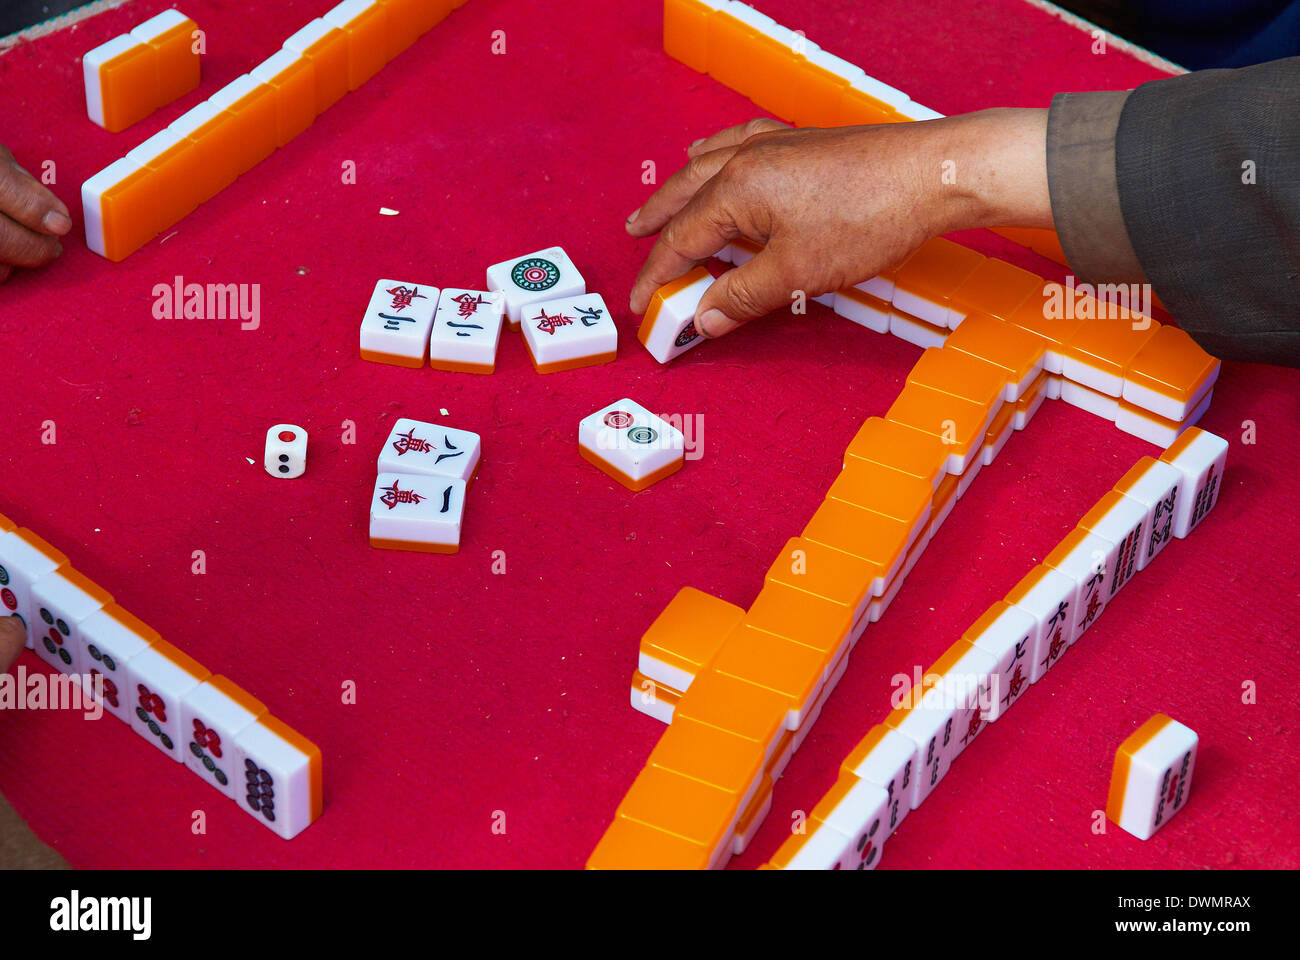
(397, 323)
(569, 332)
(427, 449)
(286, 451)
(417, 513)
(631, 445)
(466, 330)
(545, 275)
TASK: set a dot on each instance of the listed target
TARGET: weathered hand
(833, 207)
(31, 219)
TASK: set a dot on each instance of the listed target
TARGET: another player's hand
(12, 640)
(31, 219)
(834, 207)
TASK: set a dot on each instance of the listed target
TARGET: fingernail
(20, 168)
(56, 223)
(714, 323)
(635, 213)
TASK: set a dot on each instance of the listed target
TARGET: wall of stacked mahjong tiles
(171, 173)
(741, 689)
(221, 732)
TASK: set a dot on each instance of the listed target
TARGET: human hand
(834, 207)
(12, 640)
(31, 219)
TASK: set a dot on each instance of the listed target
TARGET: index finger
(700, 229)
(29, 202)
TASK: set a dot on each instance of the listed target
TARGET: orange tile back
(906, 450)
(1172, 365)
(366, 28)
(997, 288)
(1014, 349)
(961, 375)
(884, 490)
(628, 845)
(686, 33)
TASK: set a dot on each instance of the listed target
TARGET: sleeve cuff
(1081, 130)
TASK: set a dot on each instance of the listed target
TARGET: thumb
(753, 289)
(12, 640)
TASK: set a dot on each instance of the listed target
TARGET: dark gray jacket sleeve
(1192, 184)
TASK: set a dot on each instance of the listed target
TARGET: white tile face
(1050, 603)
(967, 687)
(672, 328)
(824, 849)
(921, 308)
(1201, 464)
(1122, 525)
(210, 720)
(569, 328)
(889, 765)
(665, 673)
(92, 63)
(931, 728)
(398, 321)
(104, 647)
(59, 606)
(1159, 780)
(1156, 491)
(285, 454)
(1091, 565)
(417, 510)
(155, 686)
(862, 818)
(275, 783)
(467, 327)
(1009, 640)
(428, 449)
(545, 275)
(631, 439)
(22, 563)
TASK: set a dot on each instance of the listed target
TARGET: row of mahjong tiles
(707, 785)
(1150, 379)
(1011, 646)
(219, 731)
(787, 74)
(170, 174)
(948, 388)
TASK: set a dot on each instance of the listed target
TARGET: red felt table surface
(479, 692)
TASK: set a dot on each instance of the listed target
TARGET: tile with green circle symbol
(24, 559)
(630, 444)
(545, 275)
(61, 601)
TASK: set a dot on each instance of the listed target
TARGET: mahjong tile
(278, 776)
(397, 323)
(965, 673)
(1155, 486)
(1120, 520)
(466, 330)
(859, 812)
(429, 449)
(545, 275)
(24, 559)
(420, 513)
(157, 680)
(108, 640)
(61, 601)
(887, 759)
(630, 444)
(1047, 595)
(212, 715)
(1006, 633)
(1200, 457)
(1152, 776)
(569, 332)
(1088, 560)
(668, 329)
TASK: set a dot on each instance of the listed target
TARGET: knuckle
(698, 169)
(742, 295)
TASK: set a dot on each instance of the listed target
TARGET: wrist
(989, 169)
